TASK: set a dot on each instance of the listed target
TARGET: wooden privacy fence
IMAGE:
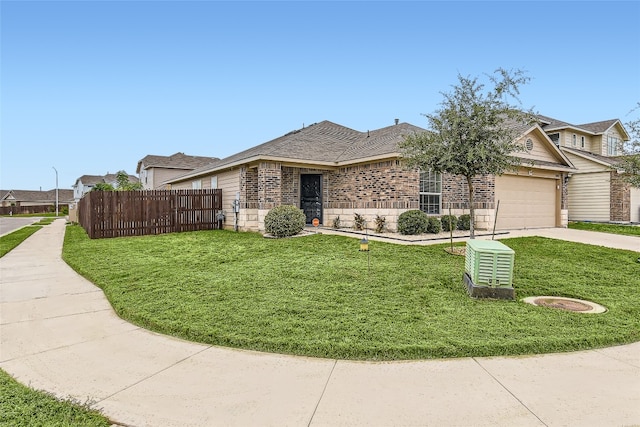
(15, 210)
(136, 213)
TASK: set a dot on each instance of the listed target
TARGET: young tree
(103, 186)
(474, 131)
(630, 160)
(123, 183)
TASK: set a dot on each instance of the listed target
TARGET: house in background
(331, 171)
(155, 170)
(39, 201)
(85, 183)
(597, 191)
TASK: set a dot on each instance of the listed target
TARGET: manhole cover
(568, 304)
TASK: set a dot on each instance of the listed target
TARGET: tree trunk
(472, 212)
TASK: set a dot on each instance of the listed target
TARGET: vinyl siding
(229, 183)
(589, 197)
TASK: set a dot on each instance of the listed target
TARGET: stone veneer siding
(620, 199)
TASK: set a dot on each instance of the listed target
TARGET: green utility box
(489, 269)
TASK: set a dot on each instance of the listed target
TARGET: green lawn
(11, 240)
(21, 406)
(314, 296)
(628, 230)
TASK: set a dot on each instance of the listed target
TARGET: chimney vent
(397, 120)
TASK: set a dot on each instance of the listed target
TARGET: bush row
(417, 222)
(285, 221)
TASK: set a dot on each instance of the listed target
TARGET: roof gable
(546, 152)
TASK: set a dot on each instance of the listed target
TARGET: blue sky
(92, 87)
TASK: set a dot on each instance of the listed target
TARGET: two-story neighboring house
(596, 190)
(85, 183)
(155, 170)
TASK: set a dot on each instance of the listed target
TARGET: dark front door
(311, 197)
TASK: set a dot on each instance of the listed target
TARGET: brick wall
(620, 199)
(249, 187)
(455, 192)
(269, 185)
(376, 185)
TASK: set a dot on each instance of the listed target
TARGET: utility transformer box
(489, 269)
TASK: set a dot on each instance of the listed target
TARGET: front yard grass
(21, 406)
(315, 296)
(628, 230)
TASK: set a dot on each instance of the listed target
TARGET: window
(555, 138)
(612, 145)
(197, 184)
(430, 192)
(582, 142)
(214, 182)
(573, 139)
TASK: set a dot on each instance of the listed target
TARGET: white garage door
(635, 204)
(525, 202)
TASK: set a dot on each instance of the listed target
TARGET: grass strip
(21, 406)
(316, 295)
(627, 230)
(9, 241)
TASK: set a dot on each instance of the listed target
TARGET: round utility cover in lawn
(567, 304)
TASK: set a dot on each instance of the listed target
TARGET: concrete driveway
(58, 333)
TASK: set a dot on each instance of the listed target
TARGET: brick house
(597, 191)
(329, 170)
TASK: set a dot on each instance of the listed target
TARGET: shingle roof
(64, 195)
(597, 157)
(98, 179)
(548, 124)
(598, 127)
(324, 142)
(175, 161)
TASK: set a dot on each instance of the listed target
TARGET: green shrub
(359, 223)
(434, 225)
(449, 222)
(284, 221)
(336, 222)
(413, 222)
(381, 223)
(464, 222)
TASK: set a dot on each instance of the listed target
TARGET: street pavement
(58, 333)
(10, 224)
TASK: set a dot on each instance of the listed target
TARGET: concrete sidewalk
(58, 333)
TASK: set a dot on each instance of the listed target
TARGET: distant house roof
(99, 179)
(323, 143)
(174, 161)
(34, 196)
